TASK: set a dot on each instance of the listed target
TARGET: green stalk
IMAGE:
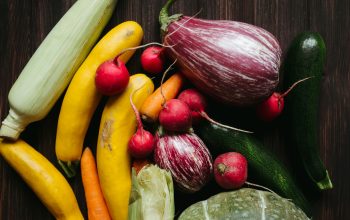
(69, 167)
(325, 183)
(165, 19)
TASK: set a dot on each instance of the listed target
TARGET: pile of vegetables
(167, 130)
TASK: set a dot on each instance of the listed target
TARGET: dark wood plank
(331, 19)
(24, 24)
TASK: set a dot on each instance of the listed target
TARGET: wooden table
(24, 24)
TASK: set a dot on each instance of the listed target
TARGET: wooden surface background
(24, 24)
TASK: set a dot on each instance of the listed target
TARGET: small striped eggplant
(233, 62)
(186, 157)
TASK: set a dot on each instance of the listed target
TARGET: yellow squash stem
(82, 98)
(118, 124)
(43, 178)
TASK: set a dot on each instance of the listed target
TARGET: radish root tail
(137, 114)
(206, 116)
(294, 85)
(260, 186)
(161, 83)
(143, 46)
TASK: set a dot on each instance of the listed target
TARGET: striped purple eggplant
(186, 157)
(234, 62)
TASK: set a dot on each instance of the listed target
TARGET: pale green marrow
(53, 64)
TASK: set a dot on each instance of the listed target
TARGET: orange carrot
(138, 164)
(97, 208)
(153, 105)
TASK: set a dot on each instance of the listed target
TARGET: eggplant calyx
(161, 131)
(165, 19)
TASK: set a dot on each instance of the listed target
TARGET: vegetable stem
(69, 167)
(164, 18)
(325, 183)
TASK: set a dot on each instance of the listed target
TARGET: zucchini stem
(325, 183)
(69, 167)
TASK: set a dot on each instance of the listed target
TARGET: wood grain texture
(24, 24)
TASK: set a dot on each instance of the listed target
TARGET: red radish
(272, 107)
(175, 116)
(152, 59)
(112, 77)
(141, 144)
(234, 62)
(231, 170)
(197, 103)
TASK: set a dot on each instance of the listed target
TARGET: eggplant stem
(294, 85)
(164, 12)
(204, 115)
(161, 82)
(165, 19)
(260, 186)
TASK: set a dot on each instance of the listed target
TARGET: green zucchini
(306, 58)
(266, 169)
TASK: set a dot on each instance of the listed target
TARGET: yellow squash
(82, 98)
(118, 124)
(43, 178)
